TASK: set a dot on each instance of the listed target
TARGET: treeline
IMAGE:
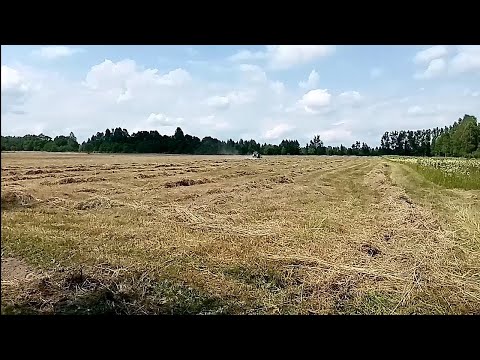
(40, 143)
(119, 141)
(460, 139)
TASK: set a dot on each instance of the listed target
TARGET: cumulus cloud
(231, 98)
(282, 57)
(432, 53)
(316, 99)
(159, 120)
(350, 97)
(247, 55)
(434, 69)
(285, 56)
(213, 122)
(278, 87)
(414, 110)
(277, 131)
(12, 79)
(126, 74)
(417, 110)
(15, 88)
(466, 60)
(312, 81)
(253, 72)
(218, 102)
(336, 135)
(225, 102)
(55, 52)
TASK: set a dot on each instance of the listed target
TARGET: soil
(14, 269)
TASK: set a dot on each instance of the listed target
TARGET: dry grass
(280, 235)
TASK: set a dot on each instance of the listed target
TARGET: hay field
(151, 234)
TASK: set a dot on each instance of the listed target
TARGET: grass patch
(467, 181)
(370, 304)
(107, 293)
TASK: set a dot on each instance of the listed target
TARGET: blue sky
(343, 93)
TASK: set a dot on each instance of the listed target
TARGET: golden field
(158, 234)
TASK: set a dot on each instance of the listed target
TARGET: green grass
(452, 180)
(80, 294)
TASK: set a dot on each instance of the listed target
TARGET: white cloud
(467, 59)
(350, 97)
(313, 100)
(278, 87)
(285, 56)
(417, 110)
(125, 96)
(312, 81)
(223, 102)
(12, 79)
(277, 131)
(336, 135)
(231, 98)
(247, 55)
(414, 110)
(15, 89)
(253, 72)
(55, 52)
(432, 53)
(434, 69)
(218, 102)
(282, 57)
(123, 81)
(126, 74)
(159, 120)
(175, 77)
(213, 122)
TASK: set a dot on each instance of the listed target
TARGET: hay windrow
(72, 180)
(284, 235)
(15, 198)
(188, 182)
(96, 203)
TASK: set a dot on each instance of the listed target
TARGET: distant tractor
(256, 155)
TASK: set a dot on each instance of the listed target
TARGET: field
(447, 172)
(148, 234)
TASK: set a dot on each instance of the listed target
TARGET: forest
(461, 139)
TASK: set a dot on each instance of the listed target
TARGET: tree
(316, 144)
(179, 136)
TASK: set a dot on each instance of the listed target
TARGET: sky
(267, 93)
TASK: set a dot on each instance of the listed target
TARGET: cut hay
(188, 182)
(35, 172)
(88, 190)
(283, 235)
(13, 198)
(70, 180)
(281, 180)
(144, 176)
(95, 203)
